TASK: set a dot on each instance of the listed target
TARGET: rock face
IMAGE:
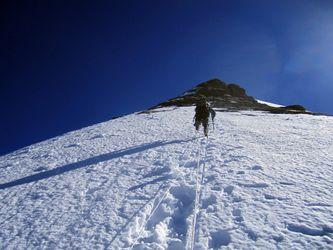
(218, 88)
(226, 97)
(219, 94)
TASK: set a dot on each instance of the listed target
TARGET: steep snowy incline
(147, 181)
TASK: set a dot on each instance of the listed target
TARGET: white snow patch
(270, 104)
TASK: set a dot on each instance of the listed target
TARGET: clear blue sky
(69, 64)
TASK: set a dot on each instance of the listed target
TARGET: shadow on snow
(88, 162)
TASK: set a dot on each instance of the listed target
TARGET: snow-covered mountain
(148, 181)
(229, 97)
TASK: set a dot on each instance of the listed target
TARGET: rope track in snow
(144, 224)
(202, 186)
(199, 173)
(192, 233)
(171, 184)
(150, 215)
(160, 201)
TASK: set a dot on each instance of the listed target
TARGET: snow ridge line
(197, 198)
(171, 184)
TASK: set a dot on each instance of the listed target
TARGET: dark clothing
(212, 113)
(204, 123)
(202, 112)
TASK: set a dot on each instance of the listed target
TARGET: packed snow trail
(264, 182)
(170, 185)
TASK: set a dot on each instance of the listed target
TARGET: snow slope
(270, 104)
(146, 181)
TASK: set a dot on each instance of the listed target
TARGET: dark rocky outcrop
(295, 107)
(218, 93)
(226, 97)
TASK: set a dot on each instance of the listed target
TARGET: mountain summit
(226, 96)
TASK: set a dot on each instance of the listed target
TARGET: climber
(202, 112)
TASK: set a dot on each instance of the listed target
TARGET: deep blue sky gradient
(69, 64)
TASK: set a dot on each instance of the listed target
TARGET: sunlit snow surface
(146, 181)
(270, 104)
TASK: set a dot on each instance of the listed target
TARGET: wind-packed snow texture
(147, 181)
